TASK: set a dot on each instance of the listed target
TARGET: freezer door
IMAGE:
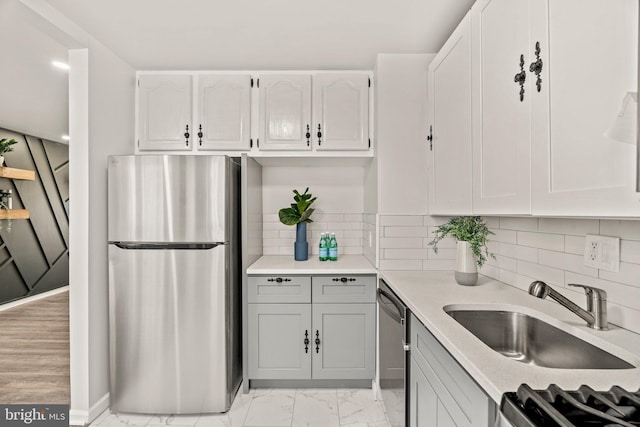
(169, 198)
(171, 331)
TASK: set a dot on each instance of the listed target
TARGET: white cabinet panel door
(341, 111)
(224, 112)
(164, 112)
(450, 125)
(285, 112)
(579, 166)
(501, 135)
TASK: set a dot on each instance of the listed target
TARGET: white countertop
(427, 292)
(277, 264)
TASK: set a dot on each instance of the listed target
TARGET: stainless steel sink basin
(530, 340)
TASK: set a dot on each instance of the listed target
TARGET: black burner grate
(586, 407)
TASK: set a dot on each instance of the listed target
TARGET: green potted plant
(471, 233)
(299, 214)
(5, 147)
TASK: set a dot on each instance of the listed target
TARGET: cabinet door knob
(521, 77)
(536, 67)
(186, 135)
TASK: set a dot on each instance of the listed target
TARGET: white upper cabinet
(165, 112)
(583, 164)
(502, 91)
(341, 111)
(285, 112)
(224, 112)
(449, 116)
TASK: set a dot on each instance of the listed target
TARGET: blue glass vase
(301, 246)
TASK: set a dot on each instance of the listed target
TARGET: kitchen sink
(530, 340)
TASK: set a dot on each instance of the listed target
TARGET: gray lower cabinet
(442, 394)
(277, 335)
(346, 334)
(294, 336)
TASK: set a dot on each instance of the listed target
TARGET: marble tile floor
(274, 408)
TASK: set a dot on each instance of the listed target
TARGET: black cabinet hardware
(308, 135)
(344, 279)
(317, 341)
(430, 138)
(200, 135)
(319, 134)
(186, 135)
(306, 341)
(536, 67)
(278, 280)
(521, 77)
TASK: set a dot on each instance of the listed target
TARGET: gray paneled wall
(34, 253)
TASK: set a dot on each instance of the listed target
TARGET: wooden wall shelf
(14, 214)
(13, 173)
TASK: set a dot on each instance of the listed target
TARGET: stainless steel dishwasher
(394, 354)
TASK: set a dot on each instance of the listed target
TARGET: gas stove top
(583, 407)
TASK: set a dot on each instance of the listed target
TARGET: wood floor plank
(34, 352)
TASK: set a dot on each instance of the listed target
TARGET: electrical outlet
(602, 252)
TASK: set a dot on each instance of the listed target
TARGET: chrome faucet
(596, 313)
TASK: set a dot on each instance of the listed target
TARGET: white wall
(34, 96)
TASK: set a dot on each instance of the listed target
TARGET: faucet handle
(592, 293)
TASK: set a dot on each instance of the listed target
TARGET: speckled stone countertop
(426, 293)
(279, 264)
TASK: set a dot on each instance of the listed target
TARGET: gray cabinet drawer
(464, 399)
(279, 289)
(344, 289)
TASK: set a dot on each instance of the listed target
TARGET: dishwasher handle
(399, 316)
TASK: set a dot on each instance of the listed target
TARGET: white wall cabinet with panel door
(502, 91)
(336, 120)
(224, 112)
(187, 112)
(449, 116)
(164, 112)
(341, 111)
(583, 157)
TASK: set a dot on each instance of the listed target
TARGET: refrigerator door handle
(168, 246)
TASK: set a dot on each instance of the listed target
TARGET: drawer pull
(306, 341)
(317, 341)
(343, 279)
(278, 280)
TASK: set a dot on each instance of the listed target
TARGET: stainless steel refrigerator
(174, 283)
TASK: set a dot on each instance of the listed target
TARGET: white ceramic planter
(466, 272)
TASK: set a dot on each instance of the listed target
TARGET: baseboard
(80, 417)
(32, 298)
(99, 407)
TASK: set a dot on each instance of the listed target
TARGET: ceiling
(264, 34)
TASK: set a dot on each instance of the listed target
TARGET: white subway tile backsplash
(575, 264)
(503, 236)
(578, 227)
(400, 242)
(443, 253)
(519, 224)
(624, 316)
(438, 264)
(401, 220)
(553, 276)
(574, 244)
(492, 221)
(551, 258)
(523, 253)
(552, 242)
(405, 253)
(630, 251)
(406, 232)
(628, 230)
(353, 217)
(434, 221)
(629, 274)
(396, 264)
(624, 295)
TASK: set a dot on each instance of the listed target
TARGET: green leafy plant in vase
(6, 146)
(471, 233)
(299, 214)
